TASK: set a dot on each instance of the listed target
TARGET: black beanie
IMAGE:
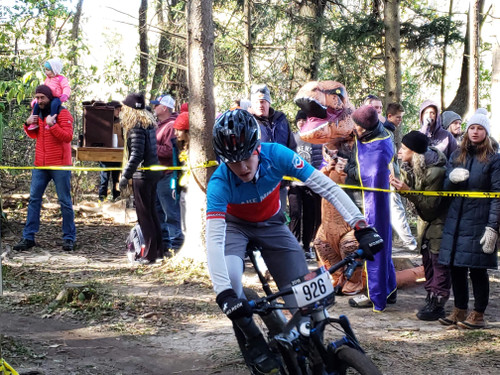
(301, 115)
(416, 141)
(45, 90)
(366, 116)
(135, 101)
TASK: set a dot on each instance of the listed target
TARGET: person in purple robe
(368, 166)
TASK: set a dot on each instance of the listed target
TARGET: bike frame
(303, 333)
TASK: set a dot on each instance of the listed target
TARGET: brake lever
(351, 268)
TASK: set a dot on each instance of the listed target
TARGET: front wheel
(352, 361)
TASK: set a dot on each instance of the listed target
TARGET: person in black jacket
(274, 127)
(470, 232)
(305, 204)
(141, 149)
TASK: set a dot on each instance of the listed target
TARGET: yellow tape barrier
(213, 163)
(208, 164)
(455, 194)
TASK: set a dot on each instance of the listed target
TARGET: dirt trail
(157, 320)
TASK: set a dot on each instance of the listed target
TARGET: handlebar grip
(360, 253)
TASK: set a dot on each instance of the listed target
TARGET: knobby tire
(354, 360)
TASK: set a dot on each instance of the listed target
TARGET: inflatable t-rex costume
(329, 122)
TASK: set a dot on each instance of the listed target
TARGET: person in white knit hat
(470, 232)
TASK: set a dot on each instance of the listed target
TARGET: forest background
(404, 51)
(208, 53)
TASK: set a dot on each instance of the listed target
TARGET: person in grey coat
(470, 232)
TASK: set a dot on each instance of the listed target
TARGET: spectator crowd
(457, 237)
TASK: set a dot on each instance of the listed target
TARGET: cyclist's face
(245, 169)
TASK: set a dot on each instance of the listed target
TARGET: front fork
(316, 335)
(328, 353)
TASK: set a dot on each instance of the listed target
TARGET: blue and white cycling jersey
(257, 200)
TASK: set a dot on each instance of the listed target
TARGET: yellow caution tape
(208, 164)
(456, 194)
(466, 194)
(213, 163)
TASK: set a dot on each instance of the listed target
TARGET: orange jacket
(53, 145)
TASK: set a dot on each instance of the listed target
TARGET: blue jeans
(169, 212)
(55, 107)
(39, 181)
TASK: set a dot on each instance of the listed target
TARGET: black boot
(434, 310)
(427, 301)
(24, 245)
(256, 352)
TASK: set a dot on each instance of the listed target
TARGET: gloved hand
(232, 306)
(489, 240)
(123, 184)
(458, 175)
(369, 241)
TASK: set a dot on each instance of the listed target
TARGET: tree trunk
(460, 103)
(495, 72)
(474, 54)
(393, 58)
(392, 52)
(173, 57)
(163, 51)
(247, 48)
(50, 26)
(143, 46)
(443, 68)
(308, 48)
(200, 46)
(75, 31)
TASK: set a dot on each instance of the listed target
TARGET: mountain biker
(243, 205)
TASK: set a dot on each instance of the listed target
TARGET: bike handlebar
(350, 260)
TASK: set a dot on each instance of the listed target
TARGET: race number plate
(312, 287)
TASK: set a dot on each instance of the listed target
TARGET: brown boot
(457, 315)
(475, 320)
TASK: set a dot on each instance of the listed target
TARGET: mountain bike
(299, 341)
